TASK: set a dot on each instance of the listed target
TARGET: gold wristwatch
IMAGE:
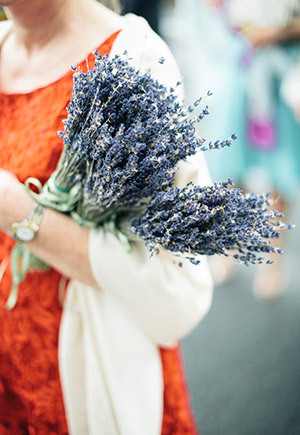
(27, 229)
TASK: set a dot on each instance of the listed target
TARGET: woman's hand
(260, 36)
(15, 202)
(60, 241)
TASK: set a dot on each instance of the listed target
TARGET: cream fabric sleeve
(164, 300)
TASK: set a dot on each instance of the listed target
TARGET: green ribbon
(22, 260)
(111, 226)
(83, 222)
(52, 195)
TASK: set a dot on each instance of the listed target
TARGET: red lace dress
(30, 392)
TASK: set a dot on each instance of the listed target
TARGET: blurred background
(243, 360)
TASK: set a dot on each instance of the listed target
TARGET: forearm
(63, 244)
(263, 36)
(60, 242)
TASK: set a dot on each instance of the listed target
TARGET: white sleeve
(165, 301)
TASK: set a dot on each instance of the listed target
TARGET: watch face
(26, 234)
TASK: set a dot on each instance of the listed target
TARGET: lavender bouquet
(123, 137)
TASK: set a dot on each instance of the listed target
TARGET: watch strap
(35, 216)
(33, 221)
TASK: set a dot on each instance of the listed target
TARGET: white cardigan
(108, 346)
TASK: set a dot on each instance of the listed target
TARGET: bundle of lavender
(123, 137)
(124, 134)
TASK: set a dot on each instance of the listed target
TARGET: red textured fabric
(178, 416)
(30, 392)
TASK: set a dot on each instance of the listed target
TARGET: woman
(116, 369)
